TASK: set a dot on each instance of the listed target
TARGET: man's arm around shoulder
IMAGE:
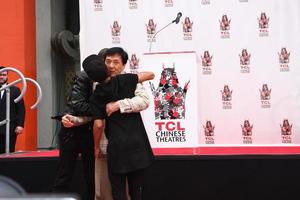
(138, 103)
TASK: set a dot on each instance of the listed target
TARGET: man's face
(3, 77)
(114, 64)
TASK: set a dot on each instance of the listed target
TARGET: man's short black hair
(102, 53)
(117, 50)
(95, 68)
(2, 67)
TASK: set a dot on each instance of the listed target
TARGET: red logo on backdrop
(284, 59)
(168, 3)
(169, 96)
(187, 27)
(169, 107)
(132, 4)
(265, 92)
(151, 27)
(206, 60)
(226, 97)
(225, 23)
(263, 24)
(245, 61)
(115, 29)
(286, 131)
(209, 132)
(247, 132)
(265, 96)
(247, 128)
(134, 64)
(225, 26)
(245, 57)
(98, 5)
(151, 30)
(284, 56)
(115, 32)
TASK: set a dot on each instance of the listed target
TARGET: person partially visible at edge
(129, 152)
(17, 114)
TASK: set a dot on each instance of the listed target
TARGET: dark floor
(184, 177)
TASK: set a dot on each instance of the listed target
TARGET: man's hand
(19, 130)
(66, 120)
(112, 107)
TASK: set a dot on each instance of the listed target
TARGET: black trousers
(135, 180)
(12, 142)
(72, 142)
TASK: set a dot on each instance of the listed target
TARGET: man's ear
(123, 67)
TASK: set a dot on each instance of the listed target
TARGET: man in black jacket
(75, 140)
(17, 114)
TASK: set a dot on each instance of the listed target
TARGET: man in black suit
(17, 114)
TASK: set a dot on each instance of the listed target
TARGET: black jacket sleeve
(20, 110)
(78, 101)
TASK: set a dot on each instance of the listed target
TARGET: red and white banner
(244, 89)
(172, 117)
